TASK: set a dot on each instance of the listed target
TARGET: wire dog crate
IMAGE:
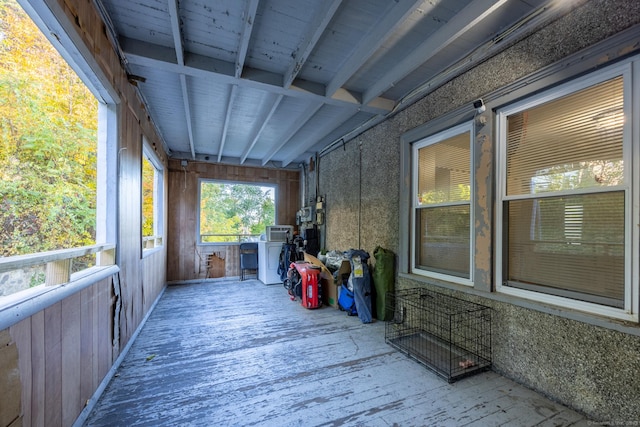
(448, 335)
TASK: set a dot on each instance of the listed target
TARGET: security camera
(479, 106)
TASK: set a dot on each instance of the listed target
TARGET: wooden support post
(106, 257)
(58, 272)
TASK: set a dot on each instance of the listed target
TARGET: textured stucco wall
(590, 368)
(360, 183)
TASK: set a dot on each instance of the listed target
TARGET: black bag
(293, 283)
(361, 279)
(289, 253)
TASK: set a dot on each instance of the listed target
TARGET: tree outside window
(232, 212)
(152, 200)
(48, 143)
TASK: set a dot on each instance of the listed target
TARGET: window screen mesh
(573, 244)
(443, 241)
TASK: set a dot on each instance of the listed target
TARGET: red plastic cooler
(311, 288)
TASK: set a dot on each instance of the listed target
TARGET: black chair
(248, 258)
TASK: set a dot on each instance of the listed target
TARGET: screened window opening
(152, 200)
(442, 204)
(56, 134)
(231, 212)
(565, 212)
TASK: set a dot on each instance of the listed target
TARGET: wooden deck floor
(243, 354)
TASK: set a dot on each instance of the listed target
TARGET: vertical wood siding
(65, 350)
(63, 354)
(186, 260)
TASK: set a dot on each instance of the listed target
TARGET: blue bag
(346, 301)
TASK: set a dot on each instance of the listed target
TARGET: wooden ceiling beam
(399, 10)
(162, 58)
(233, 93)
(462, 22)
(317, 28)
(303, 145)
(248, 19)
(263, 121)
(295, 126)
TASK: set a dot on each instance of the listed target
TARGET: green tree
(48, 122)
(235, 209)
(148, 176)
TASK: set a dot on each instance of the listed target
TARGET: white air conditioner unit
(279, 233)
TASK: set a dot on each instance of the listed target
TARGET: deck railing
(58, 262)
(150, 242)
(228, 238)
(59, 281)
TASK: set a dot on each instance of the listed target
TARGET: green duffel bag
(383, 279)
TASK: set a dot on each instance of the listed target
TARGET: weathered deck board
(241, 353)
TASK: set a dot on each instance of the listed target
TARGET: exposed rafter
(223, 139)
(271, 82)
(471, 15)
(162, 58)
(179, 47)
(187, 112)
(317, 28)
(264, 119)
(248, 20)
(320, 133)
(291, 131)
(176, 31)
(368, 46)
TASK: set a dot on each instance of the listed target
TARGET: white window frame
(431, 140)
(156, 240)
(630, 71)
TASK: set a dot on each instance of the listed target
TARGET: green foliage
(48, 122)
(37, 279)
(235, 209)
(462, 192)
(148, 177)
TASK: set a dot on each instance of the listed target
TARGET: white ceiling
(271, 82)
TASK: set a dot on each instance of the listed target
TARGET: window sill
(148, 252)
(624, 326)
(224, 243)
(441, 277)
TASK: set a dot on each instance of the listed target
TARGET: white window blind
(569, 143)
(443, 171)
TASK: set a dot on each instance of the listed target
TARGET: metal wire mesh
(449, 335)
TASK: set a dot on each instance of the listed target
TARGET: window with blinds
(564, 195)
(442, 204)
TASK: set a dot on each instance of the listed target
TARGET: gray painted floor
(243, 354)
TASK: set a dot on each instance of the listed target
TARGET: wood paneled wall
(139, 286)
(65, 350)
(185, 259)
(64, 353)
